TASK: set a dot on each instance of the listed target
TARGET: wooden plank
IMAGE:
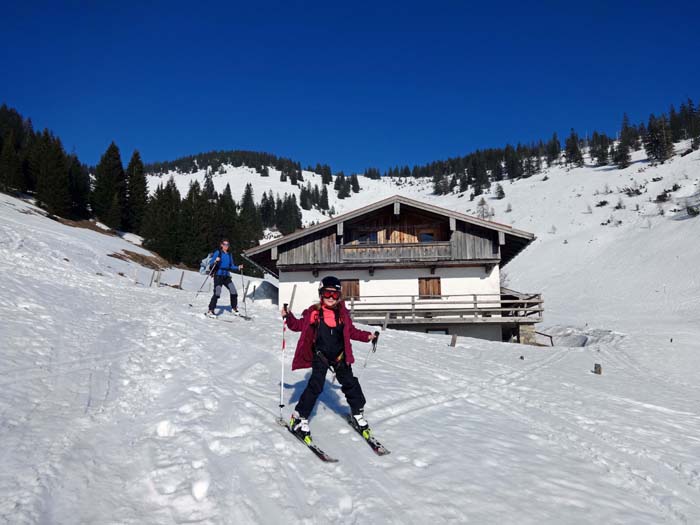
(453, 224)
(273, 253)
(397, 208)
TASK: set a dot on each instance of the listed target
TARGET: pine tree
(658, 143)
(500, 194)
(482, 209)
(265, 172)
(305, 198)
(193, 226)
(354, 183)
(323, 202)
(78, 188)
(161, 227)
(513, 164)
(109, 180)
(10, 164)
(227, 223)
(50, 168)
(249, 218)
(572, 150)
(137, 192)
(553, 150)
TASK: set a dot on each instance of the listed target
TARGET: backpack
(207, 264)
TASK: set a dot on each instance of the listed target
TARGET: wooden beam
(501, 238)
(273, 253)
(340, 229)
(453, 224)
(397, 208)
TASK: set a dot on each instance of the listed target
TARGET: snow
(121, 404)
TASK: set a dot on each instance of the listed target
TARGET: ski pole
(244, 289)
(284, 332)
(369, 352)
(205, 282)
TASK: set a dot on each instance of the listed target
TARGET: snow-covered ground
(121, 404)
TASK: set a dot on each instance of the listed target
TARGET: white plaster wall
(489, 332)
(391, 282)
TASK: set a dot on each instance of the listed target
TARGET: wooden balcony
(501, 308)
(370, 253)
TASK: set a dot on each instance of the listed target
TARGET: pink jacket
(304, 352)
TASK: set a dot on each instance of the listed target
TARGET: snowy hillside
(121, 404)
(620, 266)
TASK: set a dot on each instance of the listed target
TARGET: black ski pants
(223, 281)
(349, 384)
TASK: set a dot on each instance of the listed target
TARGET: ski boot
(361, 424)
(300, 427)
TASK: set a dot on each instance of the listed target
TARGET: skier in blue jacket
(223, 264)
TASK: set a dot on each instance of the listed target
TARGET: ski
(320, 454)
(378, 448)
(228, 318)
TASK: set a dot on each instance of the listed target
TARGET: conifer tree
(50, 169)
(658, 143)
(513, 164)
(10, 164)
(78, 188)
(109, 180)
(500, 194)
(161, 229)
(553, 150)
(572, 150)
(249, 219)
(482, 209)
(137, 192)
(193, 226)
(227, 224)
(323, 202)
(354, 183)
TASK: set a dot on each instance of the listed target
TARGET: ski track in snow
(120, 404)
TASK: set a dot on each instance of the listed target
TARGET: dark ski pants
(223, 281)
(349, 384)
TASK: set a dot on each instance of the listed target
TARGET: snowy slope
(599, 268)
(121, 404)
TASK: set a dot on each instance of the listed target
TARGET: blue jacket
(226, 264)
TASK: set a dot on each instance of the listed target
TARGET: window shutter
(429, 287)
(350, 288)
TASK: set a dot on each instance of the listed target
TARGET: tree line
(479, 169)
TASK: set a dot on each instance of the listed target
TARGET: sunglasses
(224, 244)
(330, 294)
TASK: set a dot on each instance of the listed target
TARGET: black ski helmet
(330, 282)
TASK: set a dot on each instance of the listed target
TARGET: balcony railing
(465, 308)
(425, 251)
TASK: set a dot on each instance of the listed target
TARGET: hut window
(429, 288)
(350, 288)
(367, 237)
(426, 237)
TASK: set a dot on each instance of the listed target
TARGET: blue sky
(364, 84)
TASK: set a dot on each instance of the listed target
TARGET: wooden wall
(319, 247)
(470, 242)
(398, 230)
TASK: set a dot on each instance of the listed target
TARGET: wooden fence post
(453, 342)
(597, 369)
(153, 275)
(182, 276)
